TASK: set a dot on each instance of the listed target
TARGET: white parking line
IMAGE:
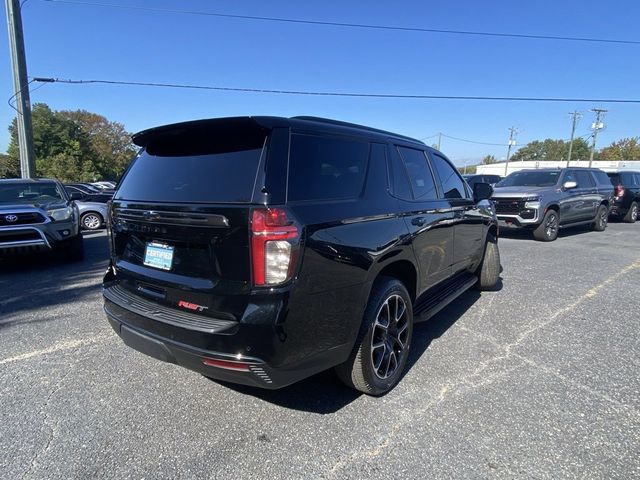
(58, 347)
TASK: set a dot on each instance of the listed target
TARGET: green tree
(488, 160)
(550, 149)
(624, 149)
(9, 166)
(75, 145)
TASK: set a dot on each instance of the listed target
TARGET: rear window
(158, 175)
(326, 168)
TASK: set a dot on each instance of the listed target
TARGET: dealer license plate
(158, 255)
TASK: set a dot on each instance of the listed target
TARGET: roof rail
(354, 125)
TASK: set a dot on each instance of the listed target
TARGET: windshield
(32, 193)
(530, 179)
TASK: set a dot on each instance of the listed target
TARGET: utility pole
(21, 89)
(596, 127)
(576, 116)
(439, 140)
(512, 141)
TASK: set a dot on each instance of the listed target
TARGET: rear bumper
(259, 355)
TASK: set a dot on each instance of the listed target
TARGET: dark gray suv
(545, 200)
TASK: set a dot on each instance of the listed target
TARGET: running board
(441, 297)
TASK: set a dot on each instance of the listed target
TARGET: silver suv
(546, 200)
(38, 215)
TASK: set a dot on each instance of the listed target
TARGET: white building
(499, 168)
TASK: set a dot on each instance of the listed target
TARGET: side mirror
(569, 185)
(75, 196)
(482, 191)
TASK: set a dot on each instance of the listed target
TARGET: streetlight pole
(596, 127)
(576, 115)
(512, 141)
(21, 89)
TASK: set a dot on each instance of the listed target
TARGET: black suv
(626, 196)
(262, 250)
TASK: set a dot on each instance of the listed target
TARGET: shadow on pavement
(325, 394)
(31, 282)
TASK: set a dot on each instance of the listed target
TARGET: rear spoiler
(198, 130)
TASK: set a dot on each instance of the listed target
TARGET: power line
(335, 94)
(352, 25)
(474, 141)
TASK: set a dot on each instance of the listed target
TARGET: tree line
(550, 149)
(72, 146)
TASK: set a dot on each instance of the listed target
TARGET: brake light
(619, 191)
(273, 246)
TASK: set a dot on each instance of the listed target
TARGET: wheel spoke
(402, 307)
(378, 363)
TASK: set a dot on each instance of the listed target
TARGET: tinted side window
(422, 183)
(584, 179)
(324, 168)
(398, 176)
(637, 179)
(452, 185)
(601, 177)
(614, 179)
(627, 179)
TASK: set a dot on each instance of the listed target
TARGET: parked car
(262, 250)
(90, 197)
(548, 199)
(38, 215)
(482, 178)
(83, 188)
(626, 195)
(106, 184)
(92, 214)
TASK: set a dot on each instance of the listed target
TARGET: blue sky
(85, 42)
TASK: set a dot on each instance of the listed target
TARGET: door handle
(418, 221)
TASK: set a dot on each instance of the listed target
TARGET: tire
(75, 249)
(547, 231)
(600, 222)
(91, 221)
(382, 346)
(489, 270)
(632, 214)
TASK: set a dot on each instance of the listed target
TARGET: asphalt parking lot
(536, 380)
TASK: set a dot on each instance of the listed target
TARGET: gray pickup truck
(545, 200)
(38, 215)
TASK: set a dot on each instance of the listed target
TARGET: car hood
(517, 192)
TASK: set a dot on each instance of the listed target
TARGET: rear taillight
(619, 191)
(273, 246)
(226, 364)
